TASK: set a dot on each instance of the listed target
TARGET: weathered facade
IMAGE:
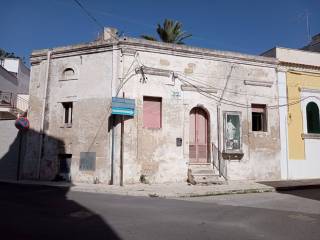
(195, 109)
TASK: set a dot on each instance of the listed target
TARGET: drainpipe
(218, 127)
(43, 112)
(112, 151)
(112, 92)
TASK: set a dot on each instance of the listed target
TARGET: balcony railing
(15, 102)
(7, 99)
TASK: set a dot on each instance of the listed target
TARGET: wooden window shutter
(152, 112)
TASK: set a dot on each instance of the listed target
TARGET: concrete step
(203, 174)
(209, 179)
(200, 165)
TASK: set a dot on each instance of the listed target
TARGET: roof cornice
(134, 44)
(301, 67)
(195, 52)
(87, 48)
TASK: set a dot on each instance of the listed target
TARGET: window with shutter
(152, 112)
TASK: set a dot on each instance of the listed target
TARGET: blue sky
(246, 26)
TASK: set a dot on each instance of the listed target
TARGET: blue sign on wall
(123, 106)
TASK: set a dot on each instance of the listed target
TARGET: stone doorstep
(204, 174)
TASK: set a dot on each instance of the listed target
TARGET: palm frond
(171, 32)
(150, 38)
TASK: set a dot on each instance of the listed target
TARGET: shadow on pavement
(42, 212)
(302, 188)
(310, 193)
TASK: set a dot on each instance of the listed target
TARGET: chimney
(110, 34)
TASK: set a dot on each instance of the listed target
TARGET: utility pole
(218, 119)
(121, 147)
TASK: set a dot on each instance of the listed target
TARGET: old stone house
(202, 113)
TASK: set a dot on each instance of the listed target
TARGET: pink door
(198, 144)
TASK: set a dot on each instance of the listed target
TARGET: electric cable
(223, 100)
(88, 14)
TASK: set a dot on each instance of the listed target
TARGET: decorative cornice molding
(198, 88)
(300, 67)
(154, 71)
(76, 50)
(130, 45)
(128, 51)
(193, 52)
(258, 83)
(310, 90)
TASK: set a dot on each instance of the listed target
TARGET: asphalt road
(34, 212)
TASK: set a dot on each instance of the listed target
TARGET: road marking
(302, 217)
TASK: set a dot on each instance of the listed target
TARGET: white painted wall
(310, 166)
(11, 64)
(298, 56)
(8, 82)
(22, 73)
(282, 88)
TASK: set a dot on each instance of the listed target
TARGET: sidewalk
(180, 190)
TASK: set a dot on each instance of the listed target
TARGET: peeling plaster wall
(154, 152)
(89, 90)
(149, 152)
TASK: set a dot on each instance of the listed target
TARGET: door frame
(208, 134)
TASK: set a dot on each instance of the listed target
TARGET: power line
(216, 98)
(237, 104)
(241, 105)
(151, 26)
(89, 14)
(229, 90)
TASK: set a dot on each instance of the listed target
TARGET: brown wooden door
(198, 136)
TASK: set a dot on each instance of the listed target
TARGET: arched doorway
(198, 136)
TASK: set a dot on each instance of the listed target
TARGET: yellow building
(299, 103)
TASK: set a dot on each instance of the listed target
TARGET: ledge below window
(66, 125)
(232, 155)
(310, 135)
(67, 79)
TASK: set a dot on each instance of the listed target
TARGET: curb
(298, 187)
(155, 194)
(228, 192)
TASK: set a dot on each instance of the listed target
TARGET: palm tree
(170, 32)
(4, 54)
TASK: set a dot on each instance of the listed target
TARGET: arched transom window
(313, 122)
(68, 73)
